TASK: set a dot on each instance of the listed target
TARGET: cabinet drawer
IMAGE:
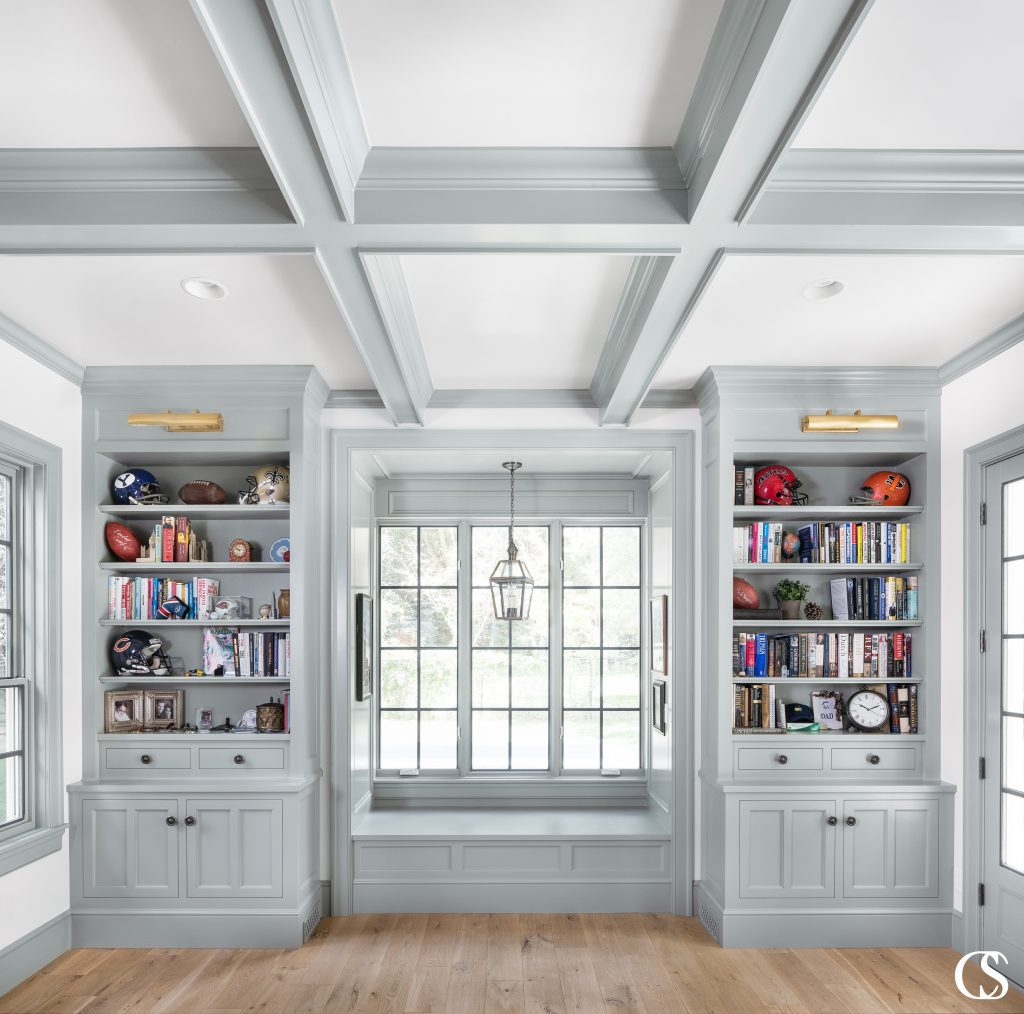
(779, 758)
(147, 758)
(224, 758)
(874, 758)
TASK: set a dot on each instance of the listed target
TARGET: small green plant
(790, 591)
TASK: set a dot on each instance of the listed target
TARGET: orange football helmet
(891, 489)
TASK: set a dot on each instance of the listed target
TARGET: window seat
(468, 823)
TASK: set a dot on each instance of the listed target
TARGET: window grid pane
(510, 673)
(601, 648)
(12, 697)
(418, 655)
(1012, 781)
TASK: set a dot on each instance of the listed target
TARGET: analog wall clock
(867, 711)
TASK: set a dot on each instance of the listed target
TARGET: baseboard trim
(512, 897)
(325, 899)
(957, 932)
(34, 951)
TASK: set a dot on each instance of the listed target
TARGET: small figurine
(266, 611)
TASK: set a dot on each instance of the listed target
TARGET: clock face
(867, 710)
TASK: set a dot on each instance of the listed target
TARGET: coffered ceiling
(578, 202)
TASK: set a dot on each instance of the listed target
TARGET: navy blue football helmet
(138, 486)
(139, 653)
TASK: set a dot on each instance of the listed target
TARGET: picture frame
(204, 719)
(163, 708)
(659, 634)
(123, 711)
(827, 706)
(364, 647)
(659, 691)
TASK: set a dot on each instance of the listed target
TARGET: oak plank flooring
(504, 964)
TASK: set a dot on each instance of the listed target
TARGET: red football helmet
(889, 488)
(776, 484)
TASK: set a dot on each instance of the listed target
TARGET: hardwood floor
(503, 964)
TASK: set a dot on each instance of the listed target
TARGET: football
(744, 594)
(202, 491)
(122, 541)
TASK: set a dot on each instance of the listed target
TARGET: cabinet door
(891, 849)
(129, 850)
(234, 848)
(787, 848)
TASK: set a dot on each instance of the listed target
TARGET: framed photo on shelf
(123, 711)
(364, 647)
(659, 634)
(163, 708)
(828, 708)
(658, 719)
(204, 719)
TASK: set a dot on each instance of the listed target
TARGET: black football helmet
(138, 653)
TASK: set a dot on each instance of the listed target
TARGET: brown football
(202, 491)
(744, 594)
(122, 541)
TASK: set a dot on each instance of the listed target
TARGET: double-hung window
(465, 694)
(31, 778)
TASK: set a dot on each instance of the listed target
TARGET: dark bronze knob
(874, 759)
(239, 759)
(190, 821)
(832, 821)
(850, 821)
(145, 758)
(782, 759)
(171, 821)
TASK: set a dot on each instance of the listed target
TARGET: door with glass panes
(1003, 807)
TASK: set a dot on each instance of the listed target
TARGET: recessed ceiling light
(824, 289)
(204, 288)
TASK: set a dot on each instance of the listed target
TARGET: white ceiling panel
(112, 74)
(514, 320)
(926, 74)
(490, 73)
(106, 311)
(892, 311)
(539, 460)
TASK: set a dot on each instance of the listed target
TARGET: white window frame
(35, 633)
(463, 782)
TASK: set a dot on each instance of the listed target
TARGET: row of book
(246, 653)
(818, 655)
(171, 540)
(759, 709)
(848, 542)
(874, 598)
(140, 598)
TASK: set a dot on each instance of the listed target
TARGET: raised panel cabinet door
(234, 848)
(787, 849)
(891, 849)
(129, 848)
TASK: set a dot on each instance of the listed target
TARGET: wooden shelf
(218, 567)
(227, 511)
(193, 681)
(825, 679)
(824, 568)
(812, 626)
(265, 624)
(853, 512)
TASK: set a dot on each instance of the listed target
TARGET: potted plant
(790, 594)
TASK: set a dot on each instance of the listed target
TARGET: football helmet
(138, 653)
(776, 484)
(138, 486)
(891, 489)
(267, 484)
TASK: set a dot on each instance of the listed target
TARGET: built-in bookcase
(840, 838)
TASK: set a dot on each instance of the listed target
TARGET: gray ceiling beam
(247, 47)
(311, 41)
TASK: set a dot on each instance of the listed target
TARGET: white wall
(982, 404)
(36, 400)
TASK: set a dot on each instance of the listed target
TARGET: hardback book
(748, 486)
(739, 487)
(219, 650)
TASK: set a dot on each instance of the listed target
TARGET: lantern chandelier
(511, 582)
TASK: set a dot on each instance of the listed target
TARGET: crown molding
(42, 352)
(353, 399)
(992, 345)
(312, 43)
(778, 381)
(387, 282)
(229, 382)
(680, 398)
(643, 284)
(511, 398)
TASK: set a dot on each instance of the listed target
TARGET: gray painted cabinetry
(201, 840)
(840, 837)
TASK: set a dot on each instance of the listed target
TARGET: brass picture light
(831, 423)
(180, 422)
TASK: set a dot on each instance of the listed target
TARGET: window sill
(567, 791)
(28, 847)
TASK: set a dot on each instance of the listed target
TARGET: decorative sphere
(790, 545)
(744, 594)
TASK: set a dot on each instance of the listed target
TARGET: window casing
(524, 709)
(13, 685)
